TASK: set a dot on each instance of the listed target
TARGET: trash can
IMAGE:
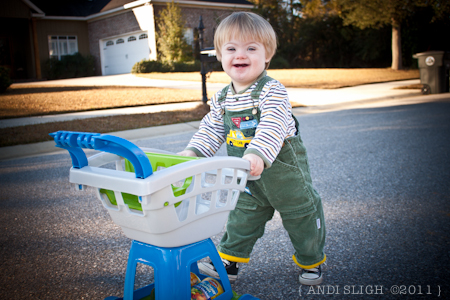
(434, 69)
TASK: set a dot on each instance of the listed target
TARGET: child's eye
(230, 49)
(251, 49)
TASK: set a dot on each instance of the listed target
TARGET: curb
(13, 122)
(412, 98)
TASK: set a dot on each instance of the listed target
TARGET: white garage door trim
(120, 53)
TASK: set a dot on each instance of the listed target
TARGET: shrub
(149, 66)
(279, 62)
(171, 43)
(190, 66)
(5, 79)
(70, 66)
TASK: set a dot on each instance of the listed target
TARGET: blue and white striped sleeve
(276, 123)
(211, 134)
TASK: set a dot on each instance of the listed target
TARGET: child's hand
(256, 164)
(187, 153)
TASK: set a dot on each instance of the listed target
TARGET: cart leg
(172, 278)
(130, 275)
(172, 267)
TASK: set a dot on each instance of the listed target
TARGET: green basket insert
(157, 160)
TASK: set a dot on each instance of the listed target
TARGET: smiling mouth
(240, 65)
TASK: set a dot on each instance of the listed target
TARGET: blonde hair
(243, 26)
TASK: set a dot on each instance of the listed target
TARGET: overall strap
(223, 94)
(257, 91)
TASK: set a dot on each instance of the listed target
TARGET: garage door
(121, 53)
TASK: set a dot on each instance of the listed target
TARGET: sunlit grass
(305, 78)
(23, 101)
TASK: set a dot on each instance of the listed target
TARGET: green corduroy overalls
(286, 187)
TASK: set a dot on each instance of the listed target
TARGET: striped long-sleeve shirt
(275, 125)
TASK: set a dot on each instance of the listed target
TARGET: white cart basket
(165, 218)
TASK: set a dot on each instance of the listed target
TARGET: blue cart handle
(73, 142)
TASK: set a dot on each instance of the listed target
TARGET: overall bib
(286, 187)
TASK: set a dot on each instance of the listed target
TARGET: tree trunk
(396, 47)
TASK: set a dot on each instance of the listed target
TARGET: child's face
(243, 61)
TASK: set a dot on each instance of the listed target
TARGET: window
(131, 38)
(109, 43)
(143, 36)
(120, 41)
(189, 35)
(61, 45)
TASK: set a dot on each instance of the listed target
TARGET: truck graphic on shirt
(237, 139)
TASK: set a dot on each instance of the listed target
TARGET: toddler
(253, 117)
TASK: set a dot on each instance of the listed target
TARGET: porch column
(37, 59)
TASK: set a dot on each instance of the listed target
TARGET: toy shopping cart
(168, 205)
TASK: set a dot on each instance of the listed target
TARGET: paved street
(383, 174)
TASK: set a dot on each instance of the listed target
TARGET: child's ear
(268, 60)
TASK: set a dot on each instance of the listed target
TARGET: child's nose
(241, 53)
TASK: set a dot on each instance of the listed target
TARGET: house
(118, 33)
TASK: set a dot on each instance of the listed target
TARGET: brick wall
(211, 18)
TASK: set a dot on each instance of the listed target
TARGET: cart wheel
(426, 90)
